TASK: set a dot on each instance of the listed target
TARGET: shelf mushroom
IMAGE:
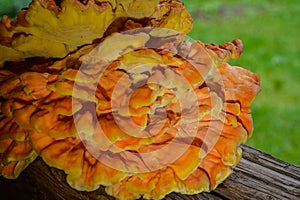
(125, 101)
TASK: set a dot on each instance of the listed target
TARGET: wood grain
(257, 176)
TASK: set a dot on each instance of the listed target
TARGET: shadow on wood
(257, 176)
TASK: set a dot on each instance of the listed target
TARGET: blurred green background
(270, 31)
(11, 7)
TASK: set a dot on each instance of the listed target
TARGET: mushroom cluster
(114, 94)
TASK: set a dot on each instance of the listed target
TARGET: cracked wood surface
(257, 176)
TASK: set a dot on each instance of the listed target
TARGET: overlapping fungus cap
(50, 28)
(144, 112)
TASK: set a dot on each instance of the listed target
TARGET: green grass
(270, 32)
(10, 8)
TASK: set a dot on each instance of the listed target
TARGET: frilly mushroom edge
(53, 108)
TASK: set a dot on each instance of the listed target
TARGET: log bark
(257, 176)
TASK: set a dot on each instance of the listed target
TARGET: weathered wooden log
(257, 176)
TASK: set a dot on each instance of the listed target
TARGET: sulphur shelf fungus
(114, 94)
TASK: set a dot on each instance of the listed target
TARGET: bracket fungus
(114, 94)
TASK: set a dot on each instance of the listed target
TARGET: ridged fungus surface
(114, 94)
